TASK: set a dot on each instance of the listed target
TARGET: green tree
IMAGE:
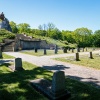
(24, 27)
(83, 37)
(14, 27)
(68, 36)
(96, 38)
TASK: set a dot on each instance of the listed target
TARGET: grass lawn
(84, 61)
(5, 56)
(15, 85)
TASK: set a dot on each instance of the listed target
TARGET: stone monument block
(1, 54)
(45, 52)
(90, 55)
(77, 56)
(56, 49)
(55, 90)
(36, 50)
(58, 82)
(78, 49)
(17, 65)
(72, 50)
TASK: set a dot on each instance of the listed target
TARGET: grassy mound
(6, 34)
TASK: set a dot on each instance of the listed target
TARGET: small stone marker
(45, 52)
(72, 50)
(83, 49)
(0, 54)
(36, 50)
(65, 50)
(86, 49)
(56, 49)
(55, 90)
(17, 65)
(78, 49)
(58, 82)
(77, 56)
(90, 55)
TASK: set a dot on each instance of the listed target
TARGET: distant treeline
(83, 37)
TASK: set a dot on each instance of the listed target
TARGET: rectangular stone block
(55, 90)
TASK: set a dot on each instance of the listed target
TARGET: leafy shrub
(6, 34)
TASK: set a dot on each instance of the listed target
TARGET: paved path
(80, 73)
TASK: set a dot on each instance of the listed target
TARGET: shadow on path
(55, 67)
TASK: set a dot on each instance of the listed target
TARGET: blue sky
(65, 14)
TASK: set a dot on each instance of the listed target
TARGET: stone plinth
(17, 65)
(55, 90)
(1, 53)
(90, 55)
(45, 52)
(77, 56)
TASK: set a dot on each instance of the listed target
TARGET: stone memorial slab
(36, 50)
(90, 55)
(77, 56)
(56, 49)
(78, 49)
(45, 52)
(17, 65)
(55, 90)
(72, 50)
(1, 54)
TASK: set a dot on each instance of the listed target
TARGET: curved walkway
(78, 72)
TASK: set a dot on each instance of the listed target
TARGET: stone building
(23, 42)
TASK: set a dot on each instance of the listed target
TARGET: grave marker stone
(18, 64)
(55, 90)
(45, 52)
(36, 50)
(0, 54)
(77, 56)
(90, 55)
(78, 49)
(72, 50)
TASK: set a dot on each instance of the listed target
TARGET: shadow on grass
(91, 81)
(15, 85)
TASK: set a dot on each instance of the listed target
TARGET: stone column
(86, 49)
(56, 49)
(1, 54)
(58, 82)
(45, 52)
(36, 50)
(78, 49)
(65, 50)
(83, 49)
(18, 64)
(90, 55)
(77, 56)
(72, 50)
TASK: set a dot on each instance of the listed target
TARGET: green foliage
(96, 38)
(23, 27)
(50, 40)
(83, 37)
(6, 34)
(14, 27)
